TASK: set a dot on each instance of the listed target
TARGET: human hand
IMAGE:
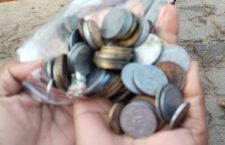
(27, 122)
(91, 124)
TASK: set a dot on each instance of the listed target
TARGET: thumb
(12, 74)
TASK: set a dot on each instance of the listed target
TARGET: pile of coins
(127, 64)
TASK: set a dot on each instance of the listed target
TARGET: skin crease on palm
(26, 122)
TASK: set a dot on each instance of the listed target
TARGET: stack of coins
(127, 64)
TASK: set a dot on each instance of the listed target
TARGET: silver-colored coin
(149, 79)
(138, 119)
(175, 54)
(81, 58)
(88, 36)
(74, 38)
(94, 79)
(144, 24)
(49, 67)
(149, 51)
(179, 115)
(71, 56)
(127, 75)
(170, 100)
(121, 19)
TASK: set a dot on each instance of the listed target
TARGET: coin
(149, 51)
(116, 23)
(109, 64)
(74, 38)
(92, 34)
(148, 99)
(114, 115)
(138, 119)
(149, 79)
(144, 24)
(132, 28)
(94, 79)
(130, 41)
(80, 58)
(49, 67)
(95, 33)
(175, 54)
(127, 77)
(174, 73)
(113, 57)
(60, 73)
(123, 95)
(179, 115)
(170, 100)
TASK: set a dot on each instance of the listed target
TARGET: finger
(167, 26)
(192, 87)
(12, 74)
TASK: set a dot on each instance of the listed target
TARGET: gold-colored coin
(130, 41)
(133, 28)
(95, 33)
(118, 48)
(60, 73)
(114, 115)
(112, 65)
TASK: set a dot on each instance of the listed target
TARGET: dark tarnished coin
(74, 38)
(116, 24)
(179, 115)
(175, 54)
(138, 119)
(94, 79)
(149, 51)
(114, 116)
(80, 58)
(60, 74)
(170, 100)
(174, 73)
(149, 79)
(127, 75)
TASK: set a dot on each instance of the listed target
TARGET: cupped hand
(91, 123)
(27, 122)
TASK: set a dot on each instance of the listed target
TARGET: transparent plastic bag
(50, 41)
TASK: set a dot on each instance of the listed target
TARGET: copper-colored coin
(60, 73)
(130, 41)
(175, 74)
(95, 33)
(114, 115)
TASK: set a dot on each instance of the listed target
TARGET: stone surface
(202, 32)
(19, 20)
